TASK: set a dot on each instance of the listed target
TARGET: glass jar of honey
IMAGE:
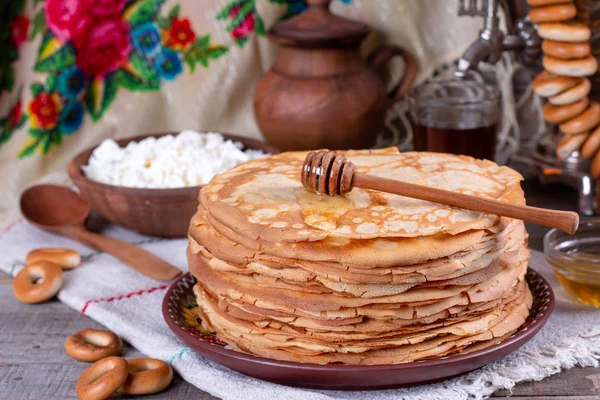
(455, 116)
(576, 260)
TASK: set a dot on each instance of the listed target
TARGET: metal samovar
(540, 160)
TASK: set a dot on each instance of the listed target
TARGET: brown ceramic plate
(179, 311)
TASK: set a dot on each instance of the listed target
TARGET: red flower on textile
(105, 49)
(14, 116)
(181, 33)
(102, 9)
(245, 27)
(68, 20)
(44, 110)
(18, 29)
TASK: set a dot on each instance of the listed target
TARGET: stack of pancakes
(364, 278)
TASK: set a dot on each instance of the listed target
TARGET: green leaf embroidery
(216, 52)
(163, 22)
(5, 133)
(174, 13)
(22, 121)
(224, 13)
(13, 53)
(10, 79)
(141, 11)
(37, 133)
(259, 26)
(29, 149)
(189, 60)
(45, 143)
(202, 59)
(201, 43)
(246, 9)
(39, 24)
(56, 137)
(36, 88)
(51, 83)
(100, 94)
(19, 6)
(133, 82)
(139, 74)
(241, 41)
(54, 56)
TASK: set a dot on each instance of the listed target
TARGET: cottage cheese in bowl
(187, 159)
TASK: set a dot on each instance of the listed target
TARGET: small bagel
(147, 376)
(101, 379)
(560, 114)
(592, 144)
(66, 258)
(553, 13)
(583, 122)
(38, 282)
(541, 3)
(564, 31)
(595, 168)
(566, 51)
(91, 345)
(569, 96)
(569, 144)
(547, 84)
(581, 67)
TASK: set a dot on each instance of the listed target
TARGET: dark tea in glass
(457, 116)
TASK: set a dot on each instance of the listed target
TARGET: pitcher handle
(381, 56)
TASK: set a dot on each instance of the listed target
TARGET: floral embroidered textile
(89, 50)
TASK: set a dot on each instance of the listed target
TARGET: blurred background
(74, 72)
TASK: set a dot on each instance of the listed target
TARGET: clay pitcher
(321, 93)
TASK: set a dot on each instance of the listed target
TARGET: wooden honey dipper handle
(330, 173)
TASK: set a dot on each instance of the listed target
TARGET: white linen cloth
(129, 304)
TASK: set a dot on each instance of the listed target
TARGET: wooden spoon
(333, 174)
(62, 211)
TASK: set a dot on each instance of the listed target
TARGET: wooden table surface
(33, 364)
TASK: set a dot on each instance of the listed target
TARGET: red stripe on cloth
(11, 226)
(123, 296)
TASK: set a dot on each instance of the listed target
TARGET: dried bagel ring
(569, 144)
(38, 282)
(547, 84)
(147, 376)
(101, 379)
(66, 258)
(91, 345)
(592, 144)
(587, 120)
(559, 114)
(580, 67)
(541, 3)
(566, 51)
(553, 13)
(573, 94)
(565, 32)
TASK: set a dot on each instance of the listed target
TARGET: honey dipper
(330, 173)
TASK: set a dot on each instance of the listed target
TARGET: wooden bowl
(153, 212)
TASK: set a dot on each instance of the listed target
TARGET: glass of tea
(455, 116)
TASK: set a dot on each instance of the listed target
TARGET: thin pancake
(265, 199)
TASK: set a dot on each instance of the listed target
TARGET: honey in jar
(576, 260)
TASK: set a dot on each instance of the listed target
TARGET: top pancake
(264, 199)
